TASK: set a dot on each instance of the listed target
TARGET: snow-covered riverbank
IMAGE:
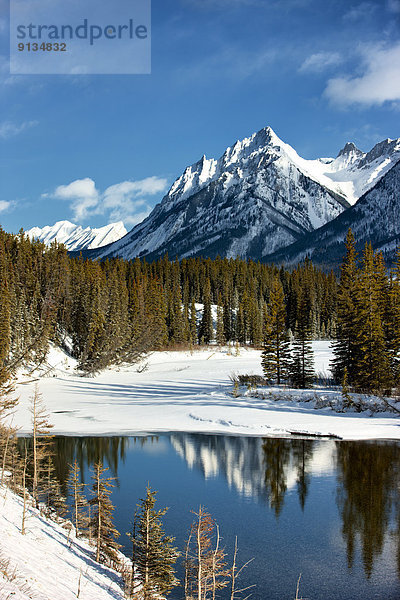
(46, 563)
(183, 391)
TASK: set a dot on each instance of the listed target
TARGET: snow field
(191, 392)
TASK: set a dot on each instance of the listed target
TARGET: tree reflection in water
(90, 450)
(368, 490)
(303, 451)
(277, 454)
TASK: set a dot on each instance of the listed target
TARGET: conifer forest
(112, 312)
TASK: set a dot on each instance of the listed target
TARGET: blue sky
(95, 149)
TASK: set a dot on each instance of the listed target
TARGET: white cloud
(122, 201)
(9, 129)
(5, 205)
(126, 200)
(81, 188)
(119, 193)
(379, 82)
(316, 63)
(83, 195)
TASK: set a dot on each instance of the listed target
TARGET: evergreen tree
(176, 325)
(154, 554)
(346, 351)
(255, 324)
(220, 331)
(206, 326)
(241, 325)
(227, 320)
(301, 367)
(186, 316)
(193, 322)
(92, 358)
(118, 311)
(394, 323)
(102, 524)
(373, 365)
(301, 370)
(275, 356)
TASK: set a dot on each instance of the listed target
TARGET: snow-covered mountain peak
(75, 237)
(261, 141)
(264, 137)
(350, 148)
(204, 171)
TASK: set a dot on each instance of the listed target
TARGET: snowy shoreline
(49, 562)
(190, 392)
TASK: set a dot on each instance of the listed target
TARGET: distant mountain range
(75, 238)
(260, 200)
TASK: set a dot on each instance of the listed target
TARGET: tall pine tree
(346, 351)
(275, 356)
(301, 367)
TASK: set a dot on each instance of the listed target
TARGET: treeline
(117, 310)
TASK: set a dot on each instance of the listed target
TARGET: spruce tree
(227, 320)
(176, 324)
(102, 522)
(241, 325)
(193, 322)
(373, 365)
(346, 351)
(391, 311)
(301, 367)
(275, 356)
(220, 332)
(154, 554)
(93, 358)
(206, 326)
